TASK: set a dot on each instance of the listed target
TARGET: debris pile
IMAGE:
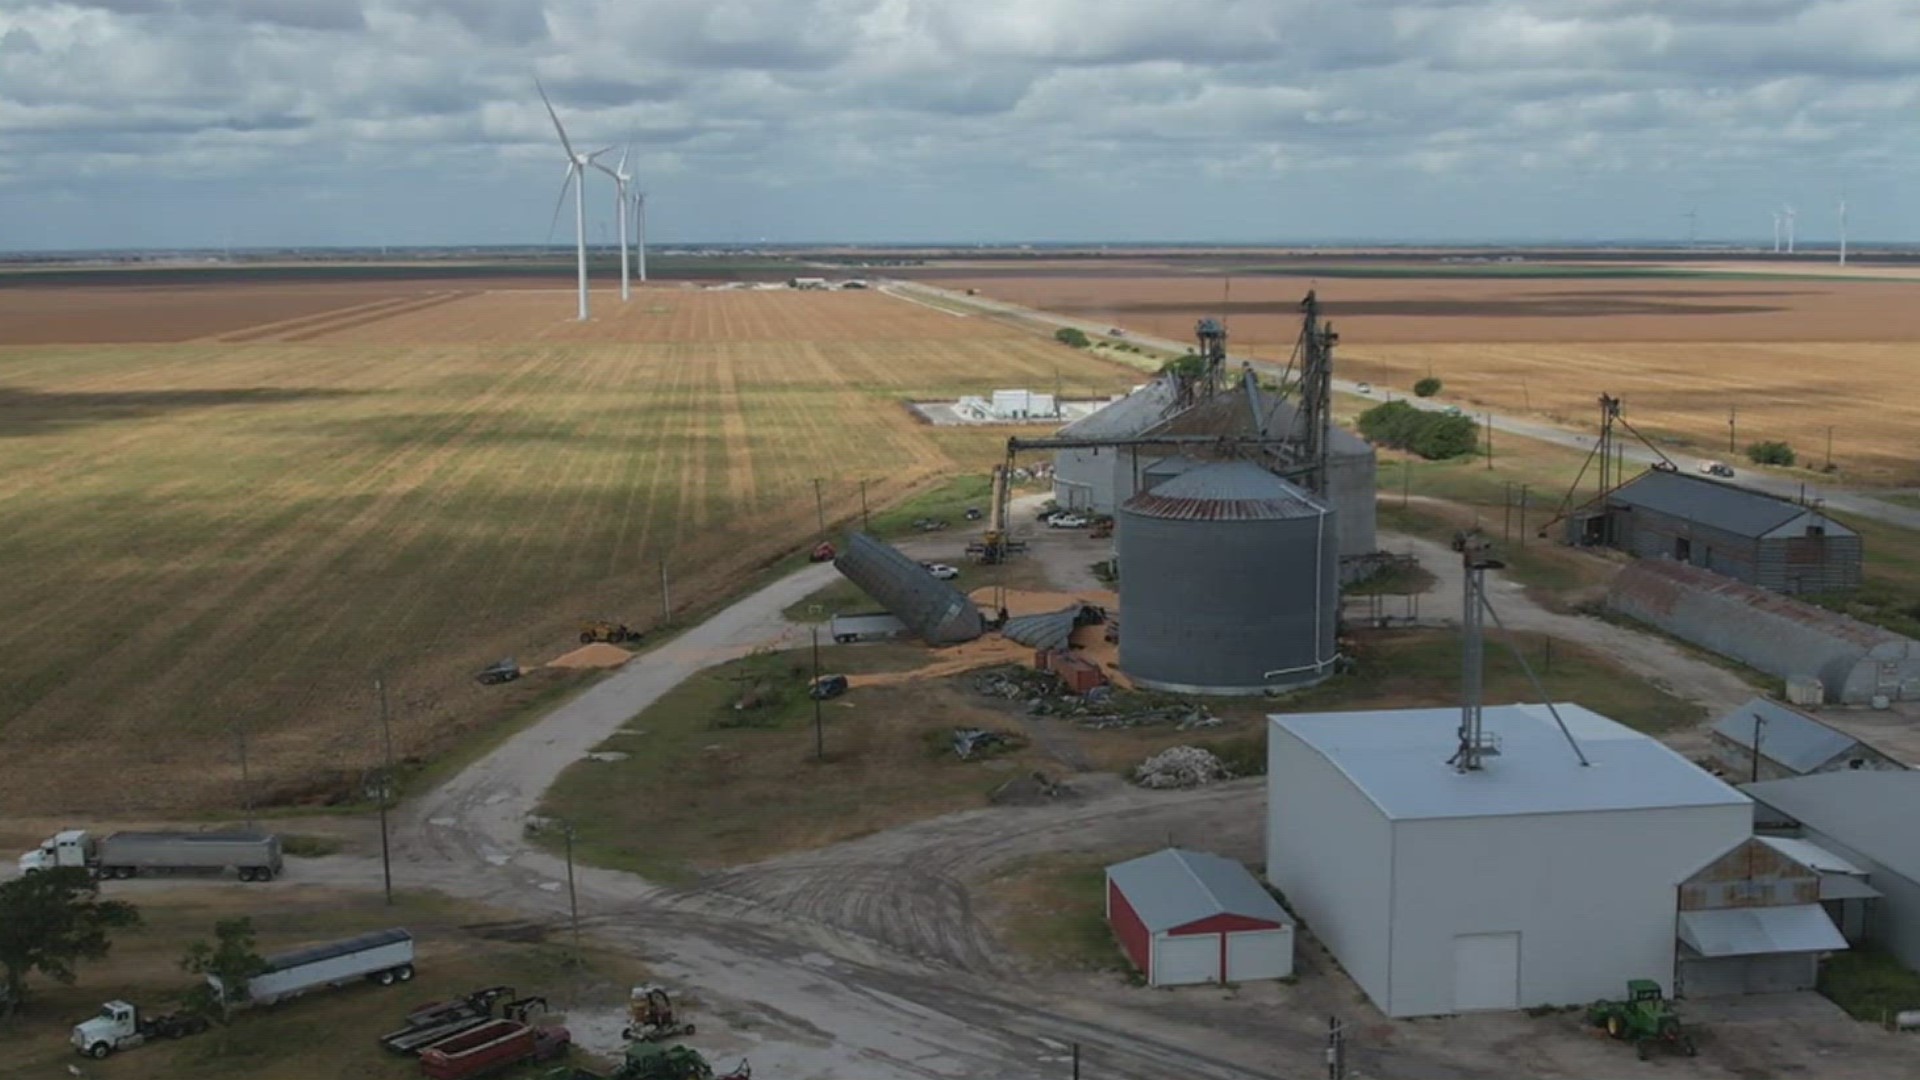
(970, 743)
(1180, 767)
(1030, 790)
(1101, 708)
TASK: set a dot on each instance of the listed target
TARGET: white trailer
(253, 856)
(383, 956)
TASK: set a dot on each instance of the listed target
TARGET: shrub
(1426, 387)
(1431, 435)
(1073, 336)
(1770, 453)
(1190, 366)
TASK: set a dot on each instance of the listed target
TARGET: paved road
(1840, 500)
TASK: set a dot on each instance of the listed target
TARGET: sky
(252, 123)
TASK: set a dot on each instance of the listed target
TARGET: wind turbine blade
(556, 118)
(560, 203)
(624, 151)
(597, 153)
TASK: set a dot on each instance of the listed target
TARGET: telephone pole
(246, 783)
(386, 790)
(813, 691)
(820, 506)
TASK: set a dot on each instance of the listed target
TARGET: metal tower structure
(1475, 744)
(1212, 336)
(1313, 353)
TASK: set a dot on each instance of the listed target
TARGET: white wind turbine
(1843, 230)
(576, 171)
(620, 178)
(640, 228)
(1776, 232)
(1788, 213)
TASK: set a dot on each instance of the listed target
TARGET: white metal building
(1187, 917)
(1534, 881)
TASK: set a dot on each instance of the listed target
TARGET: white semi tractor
(383, 956)
(254, 856)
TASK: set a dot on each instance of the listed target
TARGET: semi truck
(492, 1047)
(121, 1026)
(384, 957)
(253, 856)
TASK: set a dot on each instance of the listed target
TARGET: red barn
(1189, 917)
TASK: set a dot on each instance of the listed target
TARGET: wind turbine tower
(1789, 216)
(620, 177)
(1693, 221)
(1776, 232)
(576, 172)
(1843, 230)
(640, 227)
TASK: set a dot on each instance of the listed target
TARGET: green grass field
(214, 536)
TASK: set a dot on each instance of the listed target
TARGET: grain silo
(1228, 583)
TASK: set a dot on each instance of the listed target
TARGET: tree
(1771, 453)
(231, 959)
(1189, 366)
(1426, 387)
(1070, 335)
(1432, 435)
(50, 920)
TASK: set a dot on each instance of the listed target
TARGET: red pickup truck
(492, 1047)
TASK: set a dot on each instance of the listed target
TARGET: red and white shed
(1189, 917)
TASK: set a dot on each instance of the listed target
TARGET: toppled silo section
(933, 610)
(1854, 662)
(1052, 631)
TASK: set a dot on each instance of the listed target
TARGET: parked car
(827, 686)
(1665, 466)
(941, 571)
(1066, 521)
(1716, 468)
(1365, 388)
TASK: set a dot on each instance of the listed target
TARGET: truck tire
(263, 873)
(384, 978)
(99, 1050)
(246, 873)
(404, 972)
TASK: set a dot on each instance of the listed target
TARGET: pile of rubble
(970, 743)
(1180, 767)
(1102, 708)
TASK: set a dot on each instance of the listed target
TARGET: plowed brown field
(241, 530)
(1792, 356)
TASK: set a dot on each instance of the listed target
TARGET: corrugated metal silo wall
(1214, 605)
(1352, 491)
(1723, 618)
(932, 609)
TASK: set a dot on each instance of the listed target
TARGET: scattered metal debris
(971, 743)
(1180, 767)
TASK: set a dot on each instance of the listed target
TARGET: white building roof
(1398, 759)
(1759, 931)
(1855, 808)
(1787, 736)
(1173, 887)
(1811, 855)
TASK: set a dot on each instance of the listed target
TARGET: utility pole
(1730, 418)
(1489, 417)
(864, 526)
(386, 789)
(1523, 515)
(666, 594)
(1506, 512)
(1829, 467)
(1336, 1049)
(819, 734)
(246, 783)
(819, 506)
(1406, 479)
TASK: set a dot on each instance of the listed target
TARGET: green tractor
(1645, 1018)
(651, 1061)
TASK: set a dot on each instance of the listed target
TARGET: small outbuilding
(1746, 535)
(1187, 917)
(1791, 744)
(1535, 880)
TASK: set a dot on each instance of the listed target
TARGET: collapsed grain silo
(1228, 583)
(932, 609)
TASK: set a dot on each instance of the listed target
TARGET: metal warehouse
(1188, 917)
(1534, 880)
(1853, 662)
(1228, 583)
(1745, 535)
(1791, 744)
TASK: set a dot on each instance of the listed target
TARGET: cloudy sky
(165, 123)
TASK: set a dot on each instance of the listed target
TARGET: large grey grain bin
(1228, 583)
(934, 610)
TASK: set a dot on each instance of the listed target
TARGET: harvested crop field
(210, 534)
(1792, 356)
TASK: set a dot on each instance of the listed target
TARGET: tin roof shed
(1788, 737)
(1175, 888)
(1735, 510)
